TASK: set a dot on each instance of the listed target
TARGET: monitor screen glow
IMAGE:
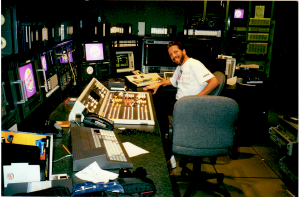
(122, 61)
(89, 70)
(94, 51)
(64, 58)
(238, 13)
(70, 57)
(44, 63)
(27, 75)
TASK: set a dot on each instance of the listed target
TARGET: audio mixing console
(121, 107)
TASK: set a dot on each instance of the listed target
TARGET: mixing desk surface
(121, 107)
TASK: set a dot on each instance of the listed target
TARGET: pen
(66, 149)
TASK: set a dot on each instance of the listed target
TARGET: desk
(154, 162)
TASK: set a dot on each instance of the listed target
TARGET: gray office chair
(222, 80)
(203, 126)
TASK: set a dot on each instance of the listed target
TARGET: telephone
(94, 120)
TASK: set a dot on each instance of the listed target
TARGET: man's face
(176, 55)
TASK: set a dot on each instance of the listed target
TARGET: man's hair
(179, 44)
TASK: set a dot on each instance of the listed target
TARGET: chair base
(198, 180)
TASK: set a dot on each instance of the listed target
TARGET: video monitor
(124, 61)
(94, 52)
(44, 62)
(239, 13)
(70, 55)
(155, 53)
(89, 70)
(64, 59)
(27, 75)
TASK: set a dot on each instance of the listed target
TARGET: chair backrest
(203, 125)
(222, 80)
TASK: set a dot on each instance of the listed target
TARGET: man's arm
(211, 85)
(155, 86)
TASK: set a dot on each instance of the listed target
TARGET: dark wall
(284, 62)
(159, 13)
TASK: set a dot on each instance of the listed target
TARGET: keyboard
(111, 144)
(95, 144)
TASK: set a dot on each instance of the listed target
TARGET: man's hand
(153, 86)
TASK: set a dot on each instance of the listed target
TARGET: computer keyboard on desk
(102, 146)
(112, 146)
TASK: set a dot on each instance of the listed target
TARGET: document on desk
(95, 174)
(20, 172)
(133, 150)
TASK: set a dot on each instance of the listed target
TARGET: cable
(73, 73)
(72, 70)
(62, 158)
(75, 122)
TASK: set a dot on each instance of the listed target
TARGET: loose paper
(133, 150)
(95, 174)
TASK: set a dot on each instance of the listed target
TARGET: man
(191, 77)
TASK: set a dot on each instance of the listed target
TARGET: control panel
(121, 107)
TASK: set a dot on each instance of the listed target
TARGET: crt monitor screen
(89, 70)
(27, 75)
(64, 59)
(124, 61)
(70, 55)
(44, 62)
(94, 51)
(239, 13)
(157, 55)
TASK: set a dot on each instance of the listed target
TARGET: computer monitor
(124, 61)
(94, 51)
(155, 53)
